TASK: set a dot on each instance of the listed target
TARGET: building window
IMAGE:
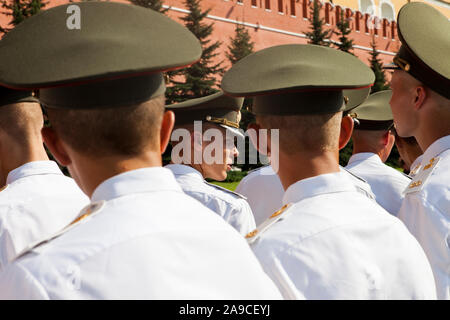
(254, 4)
(327, 13)
(240, 1)
(393, 29)
(385, 25)
(366, 23)
(280, 6)
(305, 8)
(357, 18)
(292, 7)
(375, 25)
(268, 4)
(338, 14)
(348, 17)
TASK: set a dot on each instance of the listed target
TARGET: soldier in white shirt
(141, 237)
(328, 241)
(36, 199)
(421, 107)
(264, 192)
(262, 187)
(219, 115)
(372, 144)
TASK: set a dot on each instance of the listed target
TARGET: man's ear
(386, 138)
(420, 95)
(56, 147)
(167, 124)
(346, 131)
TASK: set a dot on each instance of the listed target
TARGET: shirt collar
(33, 168)
(364, 156)
(183, 170)
(436, 148)
(142, 180)
(322, 184)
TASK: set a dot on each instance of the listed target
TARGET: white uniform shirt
(38, 201)
(426, 211)
(146, 239)
(264, 191)
(335, 243)
(231, 206)
(387, 183)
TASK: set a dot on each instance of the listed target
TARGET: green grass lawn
(228, 185)
(232, 185)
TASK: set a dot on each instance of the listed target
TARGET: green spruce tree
(343, 30)
(318, 35)
(156, 5)
(241, 45)
(19, 10)
(200, 79)
(377, 68)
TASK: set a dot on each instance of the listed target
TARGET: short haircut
(21, 121)
(124, 131)
(371, 138)
(299, 133)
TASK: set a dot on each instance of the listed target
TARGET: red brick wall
(271, 27)
(284, 23)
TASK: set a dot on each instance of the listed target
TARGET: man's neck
(14, 155)
(361, 149)
(91, 172)
(427, 138)
(293, 168)
(433, 125)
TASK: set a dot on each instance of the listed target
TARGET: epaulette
(86, 212)
(415, 170)
(421, 177)
(254, 235)
(6, 186)
(226, 190)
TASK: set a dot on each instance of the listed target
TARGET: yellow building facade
(388, 8)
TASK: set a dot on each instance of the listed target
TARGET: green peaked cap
(116, 56)
(424, 54)
(299, 79)
(216, 108)
(375, 113)
(9, 96)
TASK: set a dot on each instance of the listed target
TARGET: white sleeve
(243, 219)
(16, 283)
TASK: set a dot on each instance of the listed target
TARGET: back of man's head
(375, 141)
(21, 122)
(124, 132)
(305, 133)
